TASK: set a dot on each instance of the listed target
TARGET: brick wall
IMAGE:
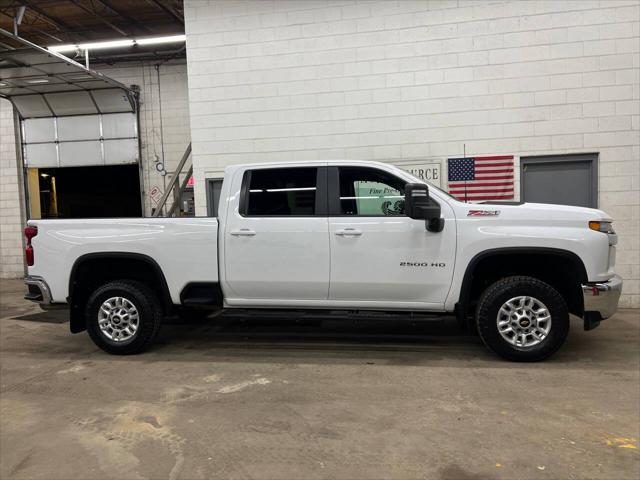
(11, 246)
(401, 80)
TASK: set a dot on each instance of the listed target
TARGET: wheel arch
(566, 276)
(117, 265)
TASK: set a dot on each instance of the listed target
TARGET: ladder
(173, 186)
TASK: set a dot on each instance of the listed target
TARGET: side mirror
(417, 205)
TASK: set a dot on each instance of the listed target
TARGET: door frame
(209, 190)
(590, 157)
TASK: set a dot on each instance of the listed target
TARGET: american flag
(481, 178)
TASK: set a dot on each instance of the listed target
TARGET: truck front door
(378, 254)
(276, 242)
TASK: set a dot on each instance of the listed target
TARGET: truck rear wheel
(123, 317)
(522, 319)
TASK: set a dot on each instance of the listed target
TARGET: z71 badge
(483, 213)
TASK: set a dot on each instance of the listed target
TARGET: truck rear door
(277, 242)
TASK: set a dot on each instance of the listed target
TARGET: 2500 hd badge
(423, 264)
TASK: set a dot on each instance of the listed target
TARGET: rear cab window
(283, 192)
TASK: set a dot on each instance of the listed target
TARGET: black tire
(508, 288)
(150, 316)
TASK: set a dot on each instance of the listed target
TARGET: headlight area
(604, 227)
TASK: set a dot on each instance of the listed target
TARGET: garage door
(562, 179)
(96, 134)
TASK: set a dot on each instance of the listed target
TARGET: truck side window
(282, 192)
(370, 192)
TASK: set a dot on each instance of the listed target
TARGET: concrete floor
(285, 399)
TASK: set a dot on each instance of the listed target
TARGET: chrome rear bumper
(39, 291)
(601, 298)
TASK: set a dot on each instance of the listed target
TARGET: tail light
(30, 232)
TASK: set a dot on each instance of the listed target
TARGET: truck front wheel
(522, 319)
(123, 317)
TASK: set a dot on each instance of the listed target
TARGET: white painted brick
(600, 47)
(566, 142)
(630, 76)
(534, 144)
(612, 138)
(569, 80)
(11, 221)
(619, 61)
(592, 79)
(565, 126)
(591, 94)
(619, 30)
(615, 184)
(598, 109)
(566, 111)
(615, 123)
(565, 50)
(627, 45)
(524, 99)
(622, 92)
(551, 36)
(577, 33)
(552, 97)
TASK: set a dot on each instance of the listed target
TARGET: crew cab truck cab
(340, 235)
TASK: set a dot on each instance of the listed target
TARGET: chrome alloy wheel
(524, 321)
(118, 319)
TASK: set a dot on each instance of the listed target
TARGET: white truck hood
(540, 211)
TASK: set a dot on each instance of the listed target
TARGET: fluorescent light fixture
(117, 43)
(156, 40)
(103, 45)
(92, 46)
(38, 80)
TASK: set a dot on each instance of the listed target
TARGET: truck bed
(186, 249)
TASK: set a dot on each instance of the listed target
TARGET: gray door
(562, 179)
(214, 185)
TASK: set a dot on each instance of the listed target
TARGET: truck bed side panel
(185, 248)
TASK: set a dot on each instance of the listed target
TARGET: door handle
(349, 232)
(243, 232)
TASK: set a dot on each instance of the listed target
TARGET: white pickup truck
(348, 236)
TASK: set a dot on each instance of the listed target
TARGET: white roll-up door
(86, 140)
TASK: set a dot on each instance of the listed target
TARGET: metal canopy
(41, 83)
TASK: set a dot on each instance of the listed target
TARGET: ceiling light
(63, 48)
(155, 40)
(44, 175)
(102, 45)
(38, 80)
(118, 43)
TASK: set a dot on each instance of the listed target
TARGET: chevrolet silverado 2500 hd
(337, 236)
